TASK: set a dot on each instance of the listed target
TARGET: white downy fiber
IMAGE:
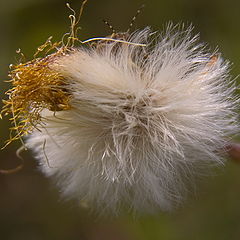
(144, 122)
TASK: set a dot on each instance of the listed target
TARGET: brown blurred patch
(234, 152)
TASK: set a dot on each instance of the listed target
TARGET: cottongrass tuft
(143, 121)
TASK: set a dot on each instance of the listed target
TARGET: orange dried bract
(36, 86)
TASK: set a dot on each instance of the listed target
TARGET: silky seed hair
(127, 121)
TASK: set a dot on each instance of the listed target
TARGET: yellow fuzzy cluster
(35, 86)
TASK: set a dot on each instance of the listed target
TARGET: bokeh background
(30, 208)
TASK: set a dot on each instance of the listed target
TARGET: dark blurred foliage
(30, 207)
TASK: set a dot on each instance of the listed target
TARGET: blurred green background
(30, 208)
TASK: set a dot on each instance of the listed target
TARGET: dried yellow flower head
(35, 86)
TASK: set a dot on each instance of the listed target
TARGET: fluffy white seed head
(143, 122)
